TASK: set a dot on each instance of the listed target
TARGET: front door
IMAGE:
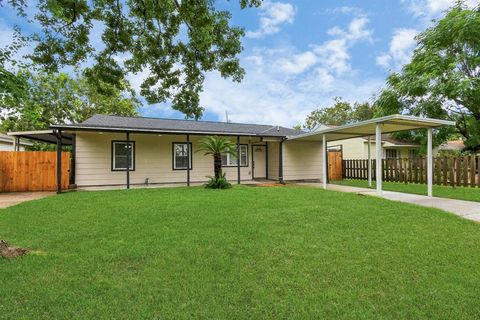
(259, 162)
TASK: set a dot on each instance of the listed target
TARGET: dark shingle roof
(182, 126)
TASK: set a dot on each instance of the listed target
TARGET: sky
(299, 55)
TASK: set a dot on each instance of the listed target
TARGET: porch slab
(467, 209)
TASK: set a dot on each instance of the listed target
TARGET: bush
(218, 182)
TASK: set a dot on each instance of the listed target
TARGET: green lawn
(243, 253)
(462, 193)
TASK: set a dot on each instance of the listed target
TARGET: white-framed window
(228, 160)
(182, 155)
(412, 153)
(120, 151)
(391, 153)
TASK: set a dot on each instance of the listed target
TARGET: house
(392, 148)
(7, 143)
(452, 147)
(121, 151)
(159, 151)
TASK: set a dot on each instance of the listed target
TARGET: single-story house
(121, 151)
(392, 148)
(8, 143)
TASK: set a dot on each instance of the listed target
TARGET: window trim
(234, 165)
(113, 155)
(190, 154)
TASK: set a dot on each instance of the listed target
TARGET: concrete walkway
(12, 198)
(466, 209)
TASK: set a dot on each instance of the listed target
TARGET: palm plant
(216, 146)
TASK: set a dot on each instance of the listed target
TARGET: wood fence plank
(472, 171)
(445, 171)
(465, 171)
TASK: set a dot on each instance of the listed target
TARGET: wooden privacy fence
(453, 171)
(32, 170)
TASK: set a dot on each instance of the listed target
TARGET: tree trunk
(217, 164)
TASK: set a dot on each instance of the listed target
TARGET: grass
(461, 193)
(243, 253)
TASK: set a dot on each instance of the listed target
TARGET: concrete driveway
(12, 198)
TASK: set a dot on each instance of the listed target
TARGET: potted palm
(216, 146)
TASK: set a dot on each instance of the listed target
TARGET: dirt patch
(10, 252)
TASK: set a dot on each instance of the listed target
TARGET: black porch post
(128, 160)
(280, 162)
(59, 161)
(238, 159)
(189, 159)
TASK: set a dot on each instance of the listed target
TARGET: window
(228, 160)
(119, 155)
(391, 153)
(182, 153)
(412, 153)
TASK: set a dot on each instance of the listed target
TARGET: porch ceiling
(46, 136)
(392, 123)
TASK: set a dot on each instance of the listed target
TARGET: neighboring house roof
(142, 124)
(456, 145)
(8, 139)
(398, 143)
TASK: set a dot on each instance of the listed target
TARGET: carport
(56, 137)
(376, 127)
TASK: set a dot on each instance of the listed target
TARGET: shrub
(219, 182)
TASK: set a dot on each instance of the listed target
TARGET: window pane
(224, 160)
(120, 151)
(233, 160)
(181, 156)
(243, 155)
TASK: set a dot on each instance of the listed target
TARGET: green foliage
(340, 113)
(219, 182)
(443, 78)
(177, 42)
(46, 99)
(216, 146)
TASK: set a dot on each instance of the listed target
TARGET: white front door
(259, 162)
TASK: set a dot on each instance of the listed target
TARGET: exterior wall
(302, 160)
(273, 160)
(153, 160)
(357, 148)
(5, 146)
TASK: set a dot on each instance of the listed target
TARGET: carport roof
(47, 136)
(390, 124)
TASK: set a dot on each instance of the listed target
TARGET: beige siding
(153, 160)
(302, 160)
(273, 160)
(357, 148)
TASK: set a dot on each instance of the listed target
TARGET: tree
(174, 41)
(216, 146)
(47, 99)
(342, 112)
(443, 78)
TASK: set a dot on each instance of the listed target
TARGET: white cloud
(400, 51)
(273, 15)
(273, 96)
(299, 63)
(431, 9)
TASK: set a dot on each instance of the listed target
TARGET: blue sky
(299, 55)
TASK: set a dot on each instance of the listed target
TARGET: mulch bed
(10, 252)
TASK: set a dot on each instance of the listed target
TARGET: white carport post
(429, 162)
(324, 162)
(378, 146)
(369, 165)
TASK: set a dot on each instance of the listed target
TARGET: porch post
(72, 161)
(238, 159)
(429, 162)
(189, 160)
(369, 165)
(324, 162)
(266, 160)
(128, 159)
(59, 161)
(280, 162)
(378, 146)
